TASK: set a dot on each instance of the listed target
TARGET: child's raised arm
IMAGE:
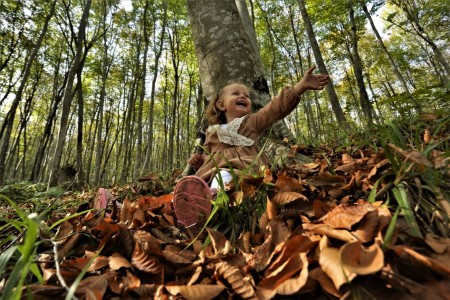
(286, 101)
(311, 81)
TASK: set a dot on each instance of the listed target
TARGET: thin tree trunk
(334, 101)
(139, 157)
(412, 15)
(158, 52)
(394, 66)
(358, 68)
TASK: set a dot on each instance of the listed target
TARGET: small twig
(58, 270)
(19, 236)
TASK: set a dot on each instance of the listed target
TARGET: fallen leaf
(345, 216)
(117, 261)
(284, 198)
(361, 260)
(330, 264)
(194, 292)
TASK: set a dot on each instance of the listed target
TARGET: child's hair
(214, 115)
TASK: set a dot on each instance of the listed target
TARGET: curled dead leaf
(345, 216)
(287, 197)
(366, 230)
(194, 292)
(220, 243)
(324, 229)
(240, 284)
(330, 264)
(117, 261)
(144, 261)
(361, 260)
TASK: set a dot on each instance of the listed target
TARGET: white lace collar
(228, 134)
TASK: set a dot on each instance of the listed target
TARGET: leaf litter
(323, 235)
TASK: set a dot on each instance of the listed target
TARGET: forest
(112, 94)
(111, 89)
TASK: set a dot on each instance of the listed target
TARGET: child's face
(234, 102)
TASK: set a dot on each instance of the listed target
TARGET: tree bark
(335, 105)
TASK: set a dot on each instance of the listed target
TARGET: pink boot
(192, 202)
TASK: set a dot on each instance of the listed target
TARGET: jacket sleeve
(279, 107)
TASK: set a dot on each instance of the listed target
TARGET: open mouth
(242, 103)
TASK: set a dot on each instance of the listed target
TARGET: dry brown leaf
(438, 244)
(198, 271)
(330, 264)
(175, 258)
(325, 281)
(63, 231)
(284, 198)
(243, 242)
(293, 285)
(361, 260)
(68, 246)
(411, 155)
(138, 219)
(375, 168)
(404, 251)
(144, 261)
(367, 228)
(293, 246)
(346, 168)
(326, 180)
(284, 271)
(241, 285)
(320, 208)
(125, 212)
(346, 158)
(345, 216)
(132, 281)
(117, 261)
(286, 183)
(220, 243)
(324, 229)
(195, 292)
(94, 287)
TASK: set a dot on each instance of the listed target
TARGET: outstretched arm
(311, 81)
(286, 101)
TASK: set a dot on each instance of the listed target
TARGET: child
(232, 139)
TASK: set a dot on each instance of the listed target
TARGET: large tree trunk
(68, 95)
(226, 51)
(335, 105)
(9, 121)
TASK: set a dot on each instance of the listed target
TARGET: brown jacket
(219, 155)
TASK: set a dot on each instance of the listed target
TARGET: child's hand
(196, 160)
(311, 81)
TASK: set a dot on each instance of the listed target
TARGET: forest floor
(358, 222)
